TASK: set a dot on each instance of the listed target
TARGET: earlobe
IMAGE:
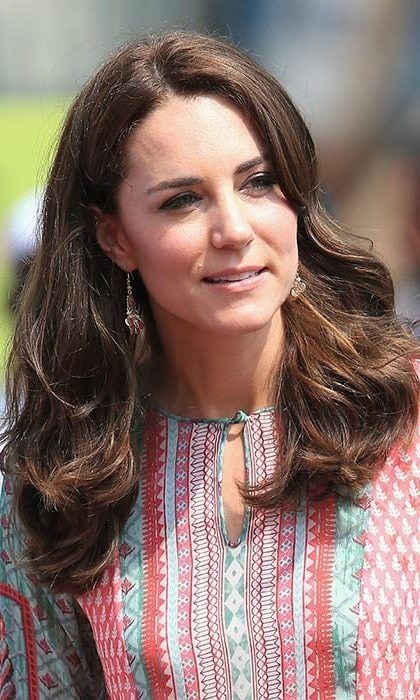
(111, 240)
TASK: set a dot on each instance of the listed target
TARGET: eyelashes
(181, 201)
(262, 181)
(258, 184)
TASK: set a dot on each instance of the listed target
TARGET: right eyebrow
(193, 180)
(174, 184)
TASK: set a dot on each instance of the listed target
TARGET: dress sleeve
(46, 645)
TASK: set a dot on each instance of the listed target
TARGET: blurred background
(353, 67)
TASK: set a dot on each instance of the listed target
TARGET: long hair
(347, 390)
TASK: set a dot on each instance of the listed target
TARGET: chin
(241, 324)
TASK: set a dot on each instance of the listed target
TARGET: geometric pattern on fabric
(388, 646)
(154, 638)
(16, 622)
(205, 612)
(284, 606)
(103, 608)
(182, 613)
(236, 634)
(351, 523)
(204, 618)
(7, 686)
(317, 596)
(131, 570)
(261, 564)
(46, 649)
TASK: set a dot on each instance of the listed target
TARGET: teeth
(236, 278)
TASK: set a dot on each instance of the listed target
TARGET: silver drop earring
(298, 288)
(133, 318)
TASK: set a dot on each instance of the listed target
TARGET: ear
(111, 239)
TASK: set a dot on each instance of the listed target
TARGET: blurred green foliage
(28, 132)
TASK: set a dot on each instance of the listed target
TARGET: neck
(204, 375)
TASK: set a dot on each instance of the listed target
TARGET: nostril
(232, 237)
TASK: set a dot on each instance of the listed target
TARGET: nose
(230, 227)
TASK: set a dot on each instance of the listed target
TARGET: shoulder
(399, 476)
(387, 599)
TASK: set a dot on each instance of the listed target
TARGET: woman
(212, 407)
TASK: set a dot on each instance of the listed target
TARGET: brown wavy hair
(347, 389)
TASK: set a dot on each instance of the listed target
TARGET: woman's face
(202, 219)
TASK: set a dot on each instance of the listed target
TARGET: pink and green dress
(318, 602)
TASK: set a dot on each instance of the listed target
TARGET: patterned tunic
(317, 602)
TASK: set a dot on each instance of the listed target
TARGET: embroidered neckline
(239, 417)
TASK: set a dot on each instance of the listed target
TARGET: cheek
(289, 223)
(283, 233)
(163, 265)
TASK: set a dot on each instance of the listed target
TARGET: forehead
(190, 130)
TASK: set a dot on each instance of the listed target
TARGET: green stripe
(131, 566)
(235, 623)
(298, 611)
(351, 521)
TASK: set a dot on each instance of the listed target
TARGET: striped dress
(316, 602)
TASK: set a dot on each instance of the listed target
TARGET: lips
(231, 276)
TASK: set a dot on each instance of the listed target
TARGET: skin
(221, 342)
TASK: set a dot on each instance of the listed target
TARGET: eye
(261, 182)
(180, 201)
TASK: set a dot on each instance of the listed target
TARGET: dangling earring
(298, 288)
(133, 319)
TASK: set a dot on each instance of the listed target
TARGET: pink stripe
(155, 648)
(318, 599)
(103, 608)
(207, 611)
(285, 601)
(261, 605)
(28, 635)
(185, 563)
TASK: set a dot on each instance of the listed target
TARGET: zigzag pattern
(155, 646)
(173, 566)
(320, 680)
(263, 575)
(103, 608)
(185, 564)
(207, 614)
(285, 601)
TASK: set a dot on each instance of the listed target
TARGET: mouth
(230, 277)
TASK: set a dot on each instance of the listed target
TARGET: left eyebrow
(188, 181)
(244, 167)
